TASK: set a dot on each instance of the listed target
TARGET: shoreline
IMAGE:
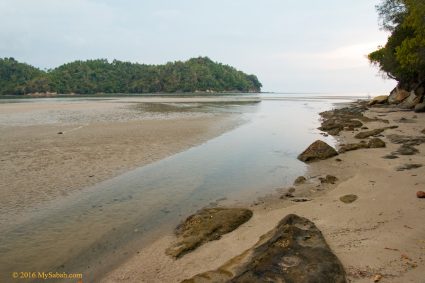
(378, 234)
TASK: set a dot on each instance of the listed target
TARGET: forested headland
(403, 56)
(101, 76)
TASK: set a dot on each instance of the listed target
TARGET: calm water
(92, 231)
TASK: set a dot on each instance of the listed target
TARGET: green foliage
(100, 76)
(403, 56)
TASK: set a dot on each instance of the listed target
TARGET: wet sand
(99, 139)
(381, 233)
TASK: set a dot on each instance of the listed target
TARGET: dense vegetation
(101, 76)
(403, 56)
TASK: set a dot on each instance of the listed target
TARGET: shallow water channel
(94, 230)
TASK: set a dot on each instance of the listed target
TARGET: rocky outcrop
(206, 225)
(319, 150)
(337, 120)
(410, 101)
(373, 143)
(348, 198)
(366, 134)
(300, 180)
(420, 108)
(379, 100)
(397, 95)
(294, 251)
(329, 179)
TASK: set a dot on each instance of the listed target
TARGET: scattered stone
(348, 198)
(206, 225)
(420, 108)
(420, 194)
(300, 180)
(363, 135)
(376, 143)
(423, 131)
(300, 199)
(338, 159)
(319, 150)
(352, 146)
(407, 140)
(364, 128)
(408, 167)
(289, 195)
(405, 120)
(390, 156)
(406, 149)
(379, 100)
(60, 133)
(294, 251)
(377, 278)
(291, 190)
(329, 179)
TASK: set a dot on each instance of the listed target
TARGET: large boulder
(294, 251)
(397, 95)
(379, 100)
(206, 225)
(410, 101)
(420, 107)
(319, 150)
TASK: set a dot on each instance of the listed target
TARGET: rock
(291, 190)
(376, 143)
(60, 133)
(390, 156)
(420, 194)
(206, 225)
(406, 149)
(407, 140)
(300, 180)
(410, 101)
(379, 100)
(300, 199)
(352, 146)
(363, 135)
(319, 150)
(420, 108)
(348, 198)
(397, 95)
(377, 278)
(408, 167)
(423, 131)
(366, 134)
(294, 251)
(329, 179)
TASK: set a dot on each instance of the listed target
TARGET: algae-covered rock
(376, 143)
(379, 100)
(206, 225)
(348, 198)
(319, 150)
(366, 134)
(294, 251)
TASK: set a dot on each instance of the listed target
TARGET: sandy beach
(380, 234)
(49, 150)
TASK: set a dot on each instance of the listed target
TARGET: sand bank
(49, 149)
(382, 232)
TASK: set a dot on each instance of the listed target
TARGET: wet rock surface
(294, 251)
(366, 134)
(408, 167)
(300, 180)
(206, 225)
(406, 149)
(348, 198)
(372, 143)
(329, 179)
(376, 143)
(319, 150)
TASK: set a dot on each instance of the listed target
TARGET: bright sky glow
(291, 45)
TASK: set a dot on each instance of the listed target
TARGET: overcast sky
(291, 45)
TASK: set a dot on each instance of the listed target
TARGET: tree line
(403, 56)
(102, 76)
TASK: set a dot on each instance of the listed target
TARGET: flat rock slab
(294, 251)
(319, 150)
(206, 225)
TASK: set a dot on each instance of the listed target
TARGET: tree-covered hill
(101, 76)
(403, 56)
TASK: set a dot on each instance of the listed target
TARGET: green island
(101, 76)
